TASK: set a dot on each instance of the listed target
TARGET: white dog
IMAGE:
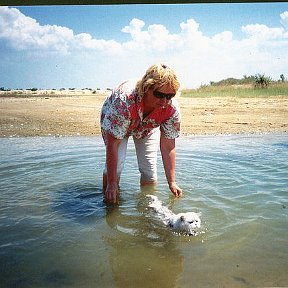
(182, 223)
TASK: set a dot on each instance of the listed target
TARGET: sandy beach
(78, 114)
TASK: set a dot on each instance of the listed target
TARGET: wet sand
(70, 115)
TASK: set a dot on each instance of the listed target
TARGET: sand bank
(78, 114)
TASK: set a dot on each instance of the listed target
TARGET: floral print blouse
(122, 115)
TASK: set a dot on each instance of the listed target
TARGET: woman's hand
(168, 152)
(175, 189)
(111, 193)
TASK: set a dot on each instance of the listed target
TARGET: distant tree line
(258, 80)
(61, 89)
(8, 89)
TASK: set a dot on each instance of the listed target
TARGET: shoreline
(186, 135)
(79, 115)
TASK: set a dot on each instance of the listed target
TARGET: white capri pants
(146, 151)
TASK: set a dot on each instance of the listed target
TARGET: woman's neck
(147, 108)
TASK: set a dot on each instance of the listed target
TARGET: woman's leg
(146, 150)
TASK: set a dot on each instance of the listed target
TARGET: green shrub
(262, 81)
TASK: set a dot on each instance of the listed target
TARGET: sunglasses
(161, 95)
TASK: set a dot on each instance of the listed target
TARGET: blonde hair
(156, 76)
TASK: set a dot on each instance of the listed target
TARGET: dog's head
(186, 222)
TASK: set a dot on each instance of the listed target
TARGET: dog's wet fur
(183, 223)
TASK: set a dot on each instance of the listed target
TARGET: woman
(147, 111)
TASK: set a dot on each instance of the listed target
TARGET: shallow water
(57, 232)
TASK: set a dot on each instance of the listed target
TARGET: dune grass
(244, 91)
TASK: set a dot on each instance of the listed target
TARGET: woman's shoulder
(123, 95)
(175, 104)
(126, 87)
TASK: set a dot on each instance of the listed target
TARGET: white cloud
(160, 37)
(225, 36)
(197, 58)
(134, 28)
(191, 27)
(284, 19)
(23, 32)
(262, 32)
(138, 37)
(85, 41)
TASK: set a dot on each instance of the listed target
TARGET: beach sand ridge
(71, 115)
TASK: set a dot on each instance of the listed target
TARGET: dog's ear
(182, 218)
(199, 214)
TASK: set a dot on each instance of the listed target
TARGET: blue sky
(100, 46)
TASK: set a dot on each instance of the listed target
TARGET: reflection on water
(81, 202)
(56, 230)
(142, 252)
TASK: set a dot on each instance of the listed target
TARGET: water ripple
(52, 211)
